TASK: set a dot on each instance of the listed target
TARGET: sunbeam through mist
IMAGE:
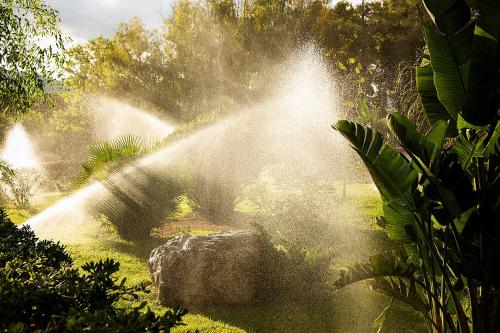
(279, 155)
(113, 118)
(289, 130)
(248, 166)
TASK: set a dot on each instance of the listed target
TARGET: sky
(85, 19)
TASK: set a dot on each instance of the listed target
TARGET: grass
(17, 215)
(132, 257)
(362, 201)
(133, 267)
(41, 202)
(203, 324)
(350, 310)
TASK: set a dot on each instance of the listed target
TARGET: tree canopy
(31, 50)
(212, 52)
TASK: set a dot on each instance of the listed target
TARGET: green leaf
(400, 222)
(434, 109)
(381, 265)
(110, 155)
(393, 175)
(478, 31)
(437, 135)
(410, 139)
(391, 172)
(449, 59)
(391, 265)
(380, 322)
(422, 149)
(493, 145)
(466, 148)
(404, 290)
(484, 66)
(352, 274)
(449, 15)
(487, 24)
(461, 221)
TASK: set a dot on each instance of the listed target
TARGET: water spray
(19, 151)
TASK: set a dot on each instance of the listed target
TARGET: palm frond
(109, 155)
(5, 168)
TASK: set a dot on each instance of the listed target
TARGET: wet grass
(18, 215)
(99, 244)
(329, 314)
(133, 266)
(352, 309)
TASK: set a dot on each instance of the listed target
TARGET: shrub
(296, 212)
(19, 186)
(292, 273)
(138, 201)
(39, 289)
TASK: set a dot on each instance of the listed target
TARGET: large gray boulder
(221, 268)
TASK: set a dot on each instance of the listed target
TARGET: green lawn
(350, 310)
(132, 257)
(18, 216)
(133, 266)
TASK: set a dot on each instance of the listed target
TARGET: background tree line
(210, 54)
(213, 56)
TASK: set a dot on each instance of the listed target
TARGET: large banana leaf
(388, 274)
(450, 54)
(484, 65)
(393, 175)
(380, 265)
(400, 222)
(424, 151)
(437, 135)
(425, 148)
(493, 145)
(434, 109)
(404, 290)
(391, 172)
(466, 148)
(450, 57)
(352, 274)
(387, 264)
(449, 15)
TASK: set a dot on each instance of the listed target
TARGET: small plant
(292, 273)
(135, 213)
(19, 186)
(137, 200)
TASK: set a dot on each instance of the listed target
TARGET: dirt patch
(190, 226)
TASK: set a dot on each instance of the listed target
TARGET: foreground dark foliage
(40, 290)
